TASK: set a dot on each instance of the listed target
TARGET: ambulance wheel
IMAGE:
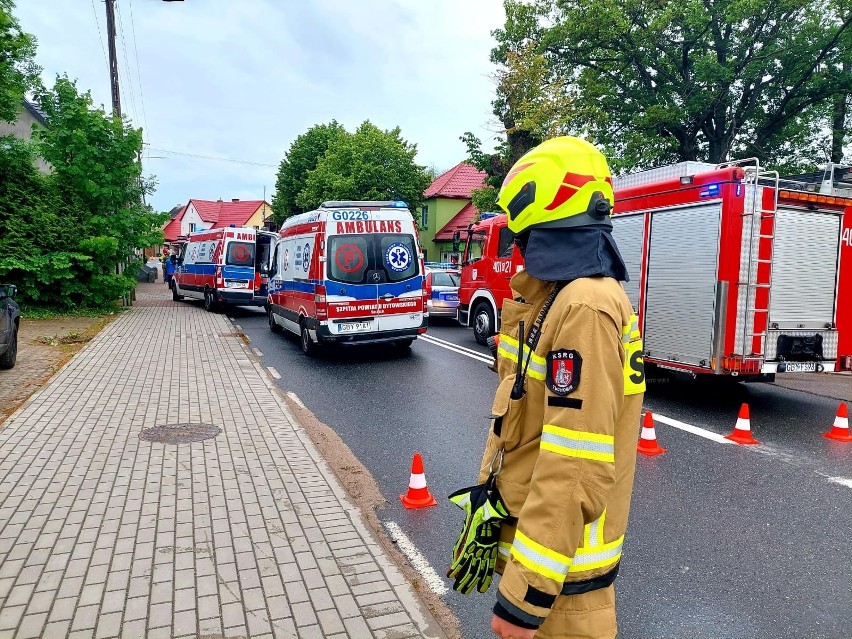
(209, 302)
(175, 296)
(483, 323)
(307, 344)
(275, 328)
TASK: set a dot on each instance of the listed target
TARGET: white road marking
(273, 372)
(418, 561)
(689, 428)
(296, 399)
(843, 481)
(461, 350)
(257, 352)
(238, 327)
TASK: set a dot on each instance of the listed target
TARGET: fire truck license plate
(354, 327)
(801, 367)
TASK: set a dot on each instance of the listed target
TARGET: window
(371, 259)
(442, 278)
(505, 242)
(240, 254)
(424, 217)
(192, 227)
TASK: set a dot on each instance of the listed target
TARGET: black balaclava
(563, 255)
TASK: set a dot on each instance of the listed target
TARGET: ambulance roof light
(355, 204)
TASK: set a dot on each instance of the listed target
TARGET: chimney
(235, 199)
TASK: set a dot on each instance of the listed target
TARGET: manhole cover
(179, 433)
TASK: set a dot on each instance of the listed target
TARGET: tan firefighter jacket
(569, 443)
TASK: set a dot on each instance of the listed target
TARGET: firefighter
(557, 472)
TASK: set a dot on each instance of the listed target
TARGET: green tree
(66, 233)
(96, 169)
(370, 164)
(18, 72)
(301, 158)
(708, 80)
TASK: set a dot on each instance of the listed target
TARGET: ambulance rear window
(372, 258)
(240, 254)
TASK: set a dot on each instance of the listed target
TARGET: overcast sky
(241, 79)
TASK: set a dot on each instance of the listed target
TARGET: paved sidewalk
(244, 534)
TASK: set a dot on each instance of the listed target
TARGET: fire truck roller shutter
(804, 277)
(628, 231)
(682, 265)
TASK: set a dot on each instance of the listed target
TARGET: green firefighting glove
(475, 551)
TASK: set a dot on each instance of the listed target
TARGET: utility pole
(113, 58)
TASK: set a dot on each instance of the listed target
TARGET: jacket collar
(530, 288)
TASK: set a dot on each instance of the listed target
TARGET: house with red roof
(200, 215)
(448, 208)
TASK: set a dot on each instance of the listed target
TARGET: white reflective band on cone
(742, 424)
(647, 433)
(841, 422)
(417, 481)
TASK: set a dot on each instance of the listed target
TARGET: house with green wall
(448, 208)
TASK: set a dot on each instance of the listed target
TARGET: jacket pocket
(506, 415)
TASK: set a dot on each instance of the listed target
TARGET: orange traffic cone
(648, 439)
(742, 431)
(840, 429)
(418, 495)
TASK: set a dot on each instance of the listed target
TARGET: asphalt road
(725, 541)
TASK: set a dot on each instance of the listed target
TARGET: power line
(138, 72)
(100, 35)
(127, 67)
(211, 157)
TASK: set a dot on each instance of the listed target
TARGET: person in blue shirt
(169, 268)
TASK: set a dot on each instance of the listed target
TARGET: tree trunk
(838, 129)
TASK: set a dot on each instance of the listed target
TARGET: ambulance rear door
(401, 293)
(238, 259)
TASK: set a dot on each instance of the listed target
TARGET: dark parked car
(10, 318)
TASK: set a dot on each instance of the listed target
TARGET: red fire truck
(733, 270)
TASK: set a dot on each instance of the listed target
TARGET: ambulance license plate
(801, 367)
(236, 284)
(353, 327)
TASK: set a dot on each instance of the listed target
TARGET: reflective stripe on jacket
(569, 458)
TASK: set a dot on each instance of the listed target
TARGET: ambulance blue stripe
(238, 272)
(200, 269)
(302, 287)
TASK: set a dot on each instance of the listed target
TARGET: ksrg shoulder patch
(563, 371)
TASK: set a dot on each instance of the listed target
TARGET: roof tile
(458, 182)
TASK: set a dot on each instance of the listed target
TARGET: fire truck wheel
(275, 328)
(308, 346)
(209, 302)
(175, 296)
(483, 323)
